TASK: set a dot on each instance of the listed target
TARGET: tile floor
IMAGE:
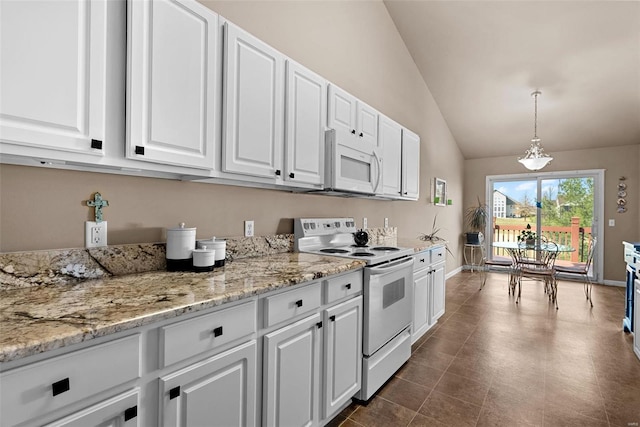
(490, 362)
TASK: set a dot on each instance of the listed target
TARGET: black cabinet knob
(361, 135)
(130, 413)
(60, 387)
(140, 150)
(319, 325)
(278, 172)
(332, 318)
(217, 331)
(348, 286)
(174, 392)
(292, 175)
(353, 131)
(97, 144)
(421, 259)
(299, 303)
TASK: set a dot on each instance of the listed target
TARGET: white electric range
(387, 294)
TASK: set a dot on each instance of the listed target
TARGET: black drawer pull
(60, 387)
(348, 286)
(139, 150)
(217, 331)
(361, 134)
(299, 303)
(174, 392)
(97, 144)
(353, 131)
(332, 318)
(292, 175)
(278, 172)
(130, 413)
(319, 325)
(421, 259)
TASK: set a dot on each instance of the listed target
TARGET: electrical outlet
(386, 223)
(364, 223)
(612, 223)
(95, 234)
(248, 228)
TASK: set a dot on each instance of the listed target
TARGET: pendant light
(535, 158)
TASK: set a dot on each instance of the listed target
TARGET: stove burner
(385, 248)
(362, 254)
(334, 251)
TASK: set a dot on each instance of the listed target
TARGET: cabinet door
(218, 391)
(342, 354)
(367, 121)
(342, 113)
(172, 82)
(390, 136)
(437, 296)
(636, 310)
(421, 305)
(120, 411)
(54, 74)
(306, 112)
(253, 105)
(291, 374)
(410, 164)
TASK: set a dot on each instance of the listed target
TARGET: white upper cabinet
(352, 118)
(410, 164)
(173, 82)
(390, 139)
(253, 114)
(55, 85)
(306, 115)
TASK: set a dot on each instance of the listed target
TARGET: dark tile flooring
(491, 362)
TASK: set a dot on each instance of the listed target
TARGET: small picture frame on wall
(440, 192)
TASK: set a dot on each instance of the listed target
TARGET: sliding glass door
(564, 207)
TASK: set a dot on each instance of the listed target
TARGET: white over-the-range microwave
(352, 166)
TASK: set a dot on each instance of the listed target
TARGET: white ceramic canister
(204, 259)
(181, 242)
(220, 246)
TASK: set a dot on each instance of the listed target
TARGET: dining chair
(582, 270)
(486, 264)
(542, 268)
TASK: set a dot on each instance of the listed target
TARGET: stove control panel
(304, 227)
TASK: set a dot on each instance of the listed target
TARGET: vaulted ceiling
(482, 60)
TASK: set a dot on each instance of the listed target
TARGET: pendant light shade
(535, 158)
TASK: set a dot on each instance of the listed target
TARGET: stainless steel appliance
(387, 294)
(351, 168)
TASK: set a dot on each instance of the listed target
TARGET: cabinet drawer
(342, 286)
(290, 304)
(190, 337)
(421, 260)
(34, 390)
(438, 255)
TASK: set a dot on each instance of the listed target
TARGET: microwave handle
(379, 167)
(391, 267)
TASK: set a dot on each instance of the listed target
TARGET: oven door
(353, 166)
(388, 301)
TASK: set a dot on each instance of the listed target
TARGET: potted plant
(433, 236)
(476, 217)
(528, 236)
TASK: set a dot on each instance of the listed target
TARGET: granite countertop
(42, 318)
(51, 300)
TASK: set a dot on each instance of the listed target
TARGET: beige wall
(617, 162)
(353, 44)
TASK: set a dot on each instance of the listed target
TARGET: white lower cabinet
(120, 411)
(291, 373)
(218, 391)
(428, 290)
(636, 311)
(342, 354)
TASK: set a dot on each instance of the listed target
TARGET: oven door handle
(391, 267)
